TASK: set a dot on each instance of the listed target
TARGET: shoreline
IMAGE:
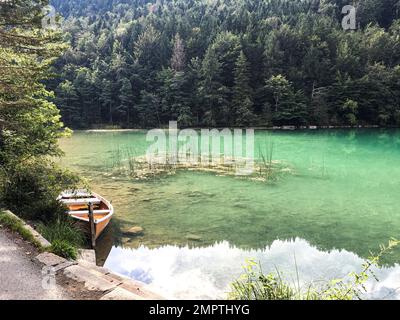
(274, 128)
(79, 279)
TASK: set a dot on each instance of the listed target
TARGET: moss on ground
(16, 225)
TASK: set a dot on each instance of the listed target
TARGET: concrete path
(20, 276)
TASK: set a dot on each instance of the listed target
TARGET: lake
(339, 202)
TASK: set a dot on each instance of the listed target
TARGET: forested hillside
(228, 63)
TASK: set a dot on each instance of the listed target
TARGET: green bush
(254, 285)
(30, 190)
(64, 249)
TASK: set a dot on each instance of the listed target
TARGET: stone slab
(43, 242)
(87, 255)
(121, 294)
(92, 280)
(92, 266)
(50, 259)
(139, 289)
(64, 265)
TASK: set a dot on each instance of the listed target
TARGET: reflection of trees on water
(206, 271)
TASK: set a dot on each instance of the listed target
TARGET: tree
(124, 109)
(67, 99)
(86, 94)
(149, 109)
(30, 125)
(178, 54)
(289, 106)
(107, 99)
(350, 110)
(300, 40)
(213, 92)
(279, 87)
(242, 93)
(147, 49)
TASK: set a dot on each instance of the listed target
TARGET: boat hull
(78, 209)
(99, 227)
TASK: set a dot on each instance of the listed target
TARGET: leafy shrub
(64, 249)
(254, 285)
(30, 190)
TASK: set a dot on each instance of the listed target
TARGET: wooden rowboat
(78, 201)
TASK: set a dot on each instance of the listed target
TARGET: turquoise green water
(342, 194)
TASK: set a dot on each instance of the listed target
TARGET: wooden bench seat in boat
(80, 201)
(87, 212)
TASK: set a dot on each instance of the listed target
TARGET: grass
(64, 236)
(62, 230)
(253, 284)
(64, 249)
(266, 168)
(123, 160)
(16, 225)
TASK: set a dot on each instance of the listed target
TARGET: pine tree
(124, 109)
(242, 105)
(85, 90)
(30, 124)
(107, 99)
(178, 54)
(149, 109)
(213, 92)
(301, 40)
(68, 101)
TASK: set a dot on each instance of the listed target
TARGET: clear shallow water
(341, 202)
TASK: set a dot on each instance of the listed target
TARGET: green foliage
(64, 249)
(182, 60)
(64, 235)
(254, 285)
(287, 105)
(30, 124)
(30, 190)
(242, 102)
(350, 110)
(62, 229)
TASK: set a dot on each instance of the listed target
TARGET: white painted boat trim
(81, 201)
(78, 212)
(95, 200)
(109, 205)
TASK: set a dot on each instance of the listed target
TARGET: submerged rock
(134, 189)
(133, 230)
(240, 205)
(193, 237)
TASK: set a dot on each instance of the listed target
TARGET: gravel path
(21, 277)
